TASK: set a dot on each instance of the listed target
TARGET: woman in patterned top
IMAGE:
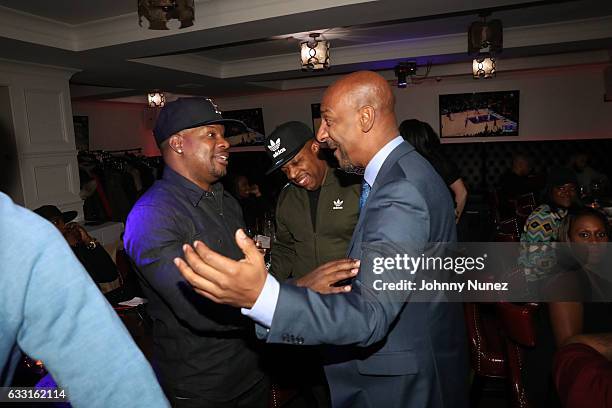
(542, 225)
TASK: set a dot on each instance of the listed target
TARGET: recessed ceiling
(72, 12)
(412, 29)
(244, 46)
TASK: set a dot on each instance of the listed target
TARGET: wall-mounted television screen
(479, 114)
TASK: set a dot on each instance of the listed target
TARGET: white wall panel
(39, 104)
(50, 179)
(45, 119)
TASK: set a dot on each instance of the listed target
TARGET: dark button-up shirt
(200, 348)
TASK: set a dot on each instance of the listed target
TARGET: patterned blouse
(541, 228)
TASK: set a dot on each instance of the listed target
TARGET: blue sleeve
(68, 324)
(360, 317)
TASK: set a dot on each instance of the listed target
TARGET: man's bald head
(358, 118)
(363, 88)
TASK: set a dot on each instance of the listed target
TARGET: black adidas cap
(285, 142)
(188, 113)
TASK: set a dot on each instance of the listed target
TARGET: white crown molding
(546, 34)
(37, 30)
(20, 68)
(554, 33)
(125, 29)
(193, 63)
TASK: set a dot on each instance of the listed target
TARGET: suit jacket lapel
(396, 153)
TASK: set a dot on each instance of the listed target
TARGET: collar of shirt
(373, 167)
(329, 177)
(194, 192)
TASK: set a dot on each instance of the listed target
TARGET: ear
(176, 143)
(315, 147)
(367, 114)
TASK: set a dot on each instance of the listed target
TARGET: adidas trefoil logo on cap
(274, 145)
(338, 204)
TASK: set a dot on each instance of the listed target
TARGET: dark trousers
(256, 397)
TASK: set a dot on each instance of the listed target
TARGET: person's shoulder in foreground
(52, 310)
(583, 373)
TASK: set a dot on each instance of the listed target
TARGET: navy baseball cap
(285, 142)
(188, 113)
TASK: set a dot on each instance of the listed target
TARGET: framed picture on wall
(479, 114)
(253, 118)
(81, 132)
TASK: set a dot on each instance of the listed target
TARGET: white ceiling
(246, 46)
(75, 12)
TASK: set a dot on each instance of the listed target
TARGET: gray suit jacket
(387, 353)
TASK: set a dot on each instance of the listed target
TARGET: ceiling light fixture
(403, 72)
(156, 100)
(159, 12)
(485, 40)
(314, 53)
(483, 66)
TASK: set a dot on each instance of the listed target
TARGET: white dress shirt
(263, 310)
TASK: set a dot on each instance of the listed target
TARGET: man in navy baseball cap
(216, 365)
(189, 113)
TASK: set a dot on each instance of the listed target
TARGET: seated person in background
(589, 179)
(576, 278)
(52, 311)
(516, 182)
(542, 225)
(427, 143)
(581, 278)
(90, 253)
(583, 371)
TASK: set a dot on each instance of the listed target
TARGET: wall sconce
(156, 100)
(159, 12)
(483, 66)
(314, 53)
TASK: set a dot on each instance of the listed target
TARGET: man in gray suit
(386, 353)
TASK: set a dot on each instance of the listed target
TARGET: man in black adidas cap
(315, 217)
(316, 213)
(202, 354)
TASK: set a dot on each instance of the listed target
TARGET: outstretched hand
(221, 279)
